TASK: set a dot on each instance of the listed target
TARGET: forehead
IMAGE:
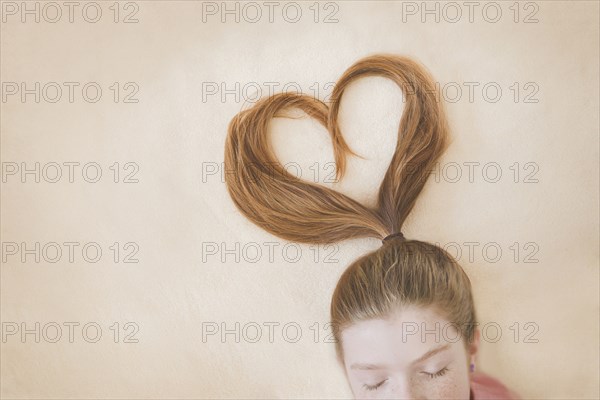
(403, 337)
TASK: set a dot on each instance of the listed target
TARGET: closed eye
(437, 374)
(441, 372)
(374, 387)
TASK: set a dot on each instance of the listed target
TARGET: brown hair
(401, 272)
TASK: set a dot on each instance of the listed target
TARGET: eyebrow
(424, 357)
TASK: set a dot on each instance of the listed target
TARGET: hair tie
(398, 234)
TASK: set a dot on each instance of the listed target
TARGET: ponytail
(401, 272)
(304, 212)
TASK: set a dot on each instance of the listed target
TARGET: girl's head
(404, 323)
(393, 306)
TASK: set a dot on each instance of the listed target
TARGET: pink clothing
(485, 387)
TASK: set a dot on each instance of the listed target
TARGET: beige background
(174, 135)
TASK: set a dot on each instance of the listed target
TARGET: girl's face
(414, 354)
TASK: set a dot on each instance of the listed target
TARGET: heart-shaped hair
(305, 212)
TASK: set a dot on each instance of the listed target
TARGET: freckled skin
(394, 343)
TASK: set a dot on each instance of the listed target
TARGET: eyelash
(368, 387)
(437, 374)
(432, 376)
